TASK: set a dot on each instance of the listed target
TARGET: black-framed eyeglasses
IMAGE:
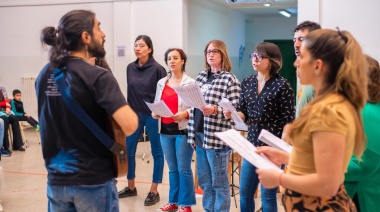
(257, 57)
(214, 51)
(300, 39)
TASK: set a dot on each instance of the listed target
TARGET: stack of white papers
(191, 95)
(272, 140)
(246, 149)
(160, 109)
(239, 123)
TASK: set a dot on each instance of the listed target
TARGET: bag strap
(83, 116)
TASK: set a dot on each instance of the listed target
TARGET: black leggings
(17, 141)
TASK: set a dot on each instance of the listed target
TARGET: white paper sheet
(191, 95)
(239, 123)
(273, 141)
(241, 145)
(160, 108)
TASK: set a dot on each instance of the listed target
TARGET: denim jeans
(102, 197)
(151, 126)
(212, 165)
(178, 154)
(248, 185)
(1, 132)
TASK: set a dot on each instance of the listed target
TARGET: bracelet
(215, 110)
(187, 115)
(279, 179)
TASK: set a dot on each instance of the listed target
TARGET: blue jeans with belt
(97, 198)
(248, 186)
(151, 126)
(212, 169)
(178, 154)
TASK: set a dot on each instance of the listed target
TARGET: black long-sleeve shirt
(272, 109)
(142, 84)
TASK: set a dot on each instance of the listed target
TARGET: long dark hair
(67, 37)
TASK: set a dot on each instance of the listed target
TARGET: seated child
(18, 110)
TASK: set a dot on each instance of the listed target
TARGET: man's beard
(96, 50)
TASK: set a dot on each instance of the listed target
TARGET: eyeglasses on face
(300, 39)
(214, 51)
(257, 57)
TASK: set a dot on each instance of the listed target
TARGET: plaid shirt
(224, 85)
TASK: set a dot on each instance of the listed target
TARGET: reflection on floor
(23, 181)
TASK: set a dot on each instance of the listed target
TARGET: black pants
(17, 141)
(30, 120)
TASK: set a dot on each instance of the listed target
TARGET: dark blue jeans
(248, 186)
(151, 126)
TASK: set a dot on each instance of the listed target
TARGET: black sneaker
(5, 152)
(152, 199)
(19, 149)
(127, 192)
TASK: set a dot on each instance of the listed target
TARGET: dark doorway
(288, 57)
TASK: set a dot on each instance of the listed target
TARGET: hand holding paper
(246, 149)
(239, 123)
(160, 108)
(270, 139)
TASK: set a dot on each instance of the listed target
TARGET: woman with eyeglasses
(329, 129)
(212, 154)
(266, 102)
(142, 77)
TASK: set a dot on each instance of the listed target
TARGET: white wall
(360, 18)
(208, 21)
(21, 22)
(265, 28)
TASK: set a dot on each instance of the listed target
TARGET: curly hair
(373, 80)
(309, 25)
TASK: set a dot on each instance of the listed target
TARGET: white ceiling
(256, 7)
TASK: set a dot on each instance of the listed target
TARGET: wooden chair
(23, 126)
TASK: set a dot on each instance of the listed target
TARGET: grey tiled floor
(23, 182)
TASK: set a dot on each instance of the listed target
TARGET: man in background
(305, 92)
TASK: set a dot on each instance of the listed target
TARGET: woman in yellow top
(329, 129)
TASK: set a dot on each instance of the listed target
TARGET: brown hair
(373, 80)
(221, 46)
(346, 75)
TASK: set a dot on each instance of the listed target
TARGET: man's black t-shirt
(73, 155)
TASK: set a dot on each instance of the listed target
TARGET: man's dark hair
(68, 36)
(309, 25)
(16, 91)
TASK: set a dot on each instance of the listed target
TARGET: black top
(198, 114)
(142, 84)
(272, 109)
(73, 155)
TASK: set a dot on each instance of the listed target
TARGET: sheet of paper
(191, 95)
(246, 149)
(160, 108)
(273, 141)
(239, 123)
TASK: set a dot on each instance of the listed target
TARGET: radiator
(29, 96)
